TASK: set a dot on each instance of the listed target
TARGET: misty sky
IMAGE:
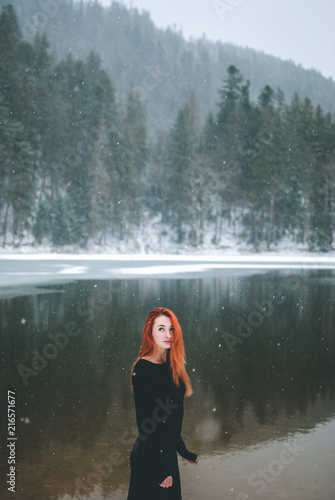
(300, 30)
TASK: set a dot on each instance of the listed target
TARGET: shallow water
(261, 357)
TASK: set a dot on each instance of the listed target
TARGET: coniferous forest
(78, 164)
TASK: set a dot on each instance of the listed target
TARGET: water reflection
(260, 349)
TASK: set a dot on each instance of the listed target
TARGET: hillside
(159, 64)
(81, 166)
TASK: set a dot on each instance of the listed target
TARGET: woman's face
(162, 332)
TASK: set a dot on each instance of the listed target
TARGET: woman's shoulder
(142, 374)
(142, 367)
(146, 368)
(140, 364)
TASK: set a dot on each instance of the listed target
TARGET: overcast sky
(300, 30)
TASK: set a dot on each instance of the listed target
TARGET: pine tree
(230, 95)
(180, 164)
(267, 171)
(125, 157)
(231, 147)
(296, 160)
(76, 151)
(103, 130)
(18, 141)
(17, 175)
(321, 182)
(135, 137)
(306, 132)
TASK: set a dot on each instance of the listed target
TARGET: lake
(260, 345)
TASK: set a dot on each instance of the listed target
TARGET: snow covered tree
(18, 140)
(18, 161)
(181, 152)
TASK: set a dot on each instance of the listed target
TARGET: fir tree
(18, 140)
(181, 155)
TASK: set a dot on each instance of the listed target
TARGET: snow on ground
(153, 239)
(295, 259)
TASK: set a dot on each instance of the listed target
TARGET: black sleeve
(183, 451)
(144, 406)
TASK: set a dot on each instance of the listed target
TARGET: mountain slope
(159, 64)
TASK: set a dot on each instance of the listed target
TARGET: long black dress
(159, 405)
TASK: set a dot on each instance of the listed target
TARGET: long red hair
(176, 354)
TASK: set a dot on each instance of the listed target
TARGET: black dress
(159, 408)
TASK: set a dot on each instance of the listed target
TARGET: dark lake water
(261, 356)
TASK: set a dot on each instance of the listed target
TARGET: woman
(159, 381)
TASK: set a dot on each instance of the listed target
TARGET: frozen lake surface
(22, 269)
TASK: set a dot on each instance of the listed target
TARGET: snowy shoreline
(265, 257)
(297, 256)
(184, 253)
(148, 243)
(154, 257)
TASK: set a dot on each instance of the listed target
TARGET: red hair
(176, 354)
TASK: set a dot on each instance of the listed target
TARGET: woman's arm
(183, 451)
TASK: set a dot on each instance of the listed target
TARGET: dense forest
(161, 66)
(80, 164)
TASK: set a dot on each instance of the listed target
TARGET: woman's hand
(167, 483)
(193, 463)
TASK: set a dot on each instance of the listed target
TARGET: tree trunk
(270, 229)
(5, 226)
